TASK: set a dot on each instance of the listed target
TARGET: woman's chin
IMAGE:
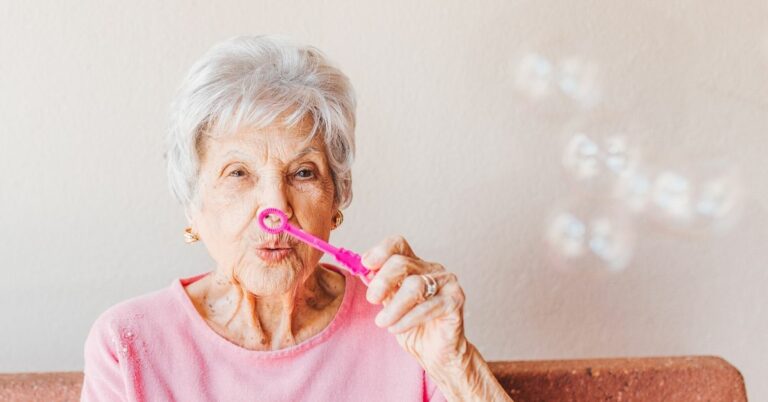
(267, 278)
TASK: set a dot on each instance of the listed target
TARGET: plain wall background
(452, 154)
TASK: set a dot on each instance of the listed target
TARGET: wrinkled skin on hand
(432, 330)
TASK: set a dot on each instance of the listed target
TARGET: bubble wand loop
(349, 259)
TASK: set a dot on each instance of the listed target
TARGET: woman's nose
(273, 195)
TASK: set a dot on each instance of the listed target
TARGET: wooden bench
(697, 378)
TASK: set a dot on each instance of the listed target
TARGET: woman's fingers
(423, 312)
(409, 294)
(408, 308)
(389, 277)
(447, 303)
(375, 257)
(391, 274)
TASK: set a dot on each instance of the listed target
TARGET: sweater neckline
(199, 325)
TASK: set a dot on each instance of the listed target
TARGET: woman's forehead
(274, 141)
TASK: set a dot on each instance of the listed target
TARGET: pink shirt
(157, 347)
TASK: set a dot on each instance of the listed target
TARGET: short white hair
(248, 81)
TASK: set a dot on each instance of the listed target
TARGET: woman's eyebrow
(304, 152)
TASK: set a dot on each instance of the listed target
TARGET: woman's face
(251, 170)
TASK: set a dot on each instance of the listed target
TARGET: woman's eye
(237, 173)
(305, 173)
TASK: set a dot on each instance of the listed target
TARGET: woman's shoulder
(147, 310)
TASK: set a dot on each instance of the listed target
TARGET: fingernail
(368, 260)
(370, 296)
(379, 319)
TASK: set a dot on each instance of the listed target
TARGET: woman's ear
(191, 233)
(189, 213)
(191, 210)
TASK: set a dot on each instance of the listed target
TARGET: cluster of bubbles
(539, 78)
(618, 189)
(598, 163)
(693, 197)
(582, 236)
(699, 200)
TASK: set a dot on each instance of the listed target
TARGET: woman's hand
(432, 329)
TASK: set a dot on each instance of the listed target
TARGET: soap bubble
(633, 189)
(672, 194)
(700, 198)
(577, 79)
(587, 236)
(598, 155)
(541, 78)
(582, 157)
(534, 76)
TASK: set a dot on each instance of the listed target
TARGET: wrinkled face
(242, 174)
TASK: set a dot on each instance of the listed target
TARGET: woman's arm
(103, 379)
(467, 378)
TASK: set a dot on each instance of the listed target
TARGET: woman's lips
(273, 255)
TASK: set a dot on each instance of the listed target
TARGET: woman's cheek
(317, 192)
(307, 187)
(228, 214)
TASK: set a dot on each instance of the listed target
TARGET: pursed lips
(273, 245)
(273, 253)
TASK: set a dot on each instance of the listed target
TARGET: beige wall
(461, 136)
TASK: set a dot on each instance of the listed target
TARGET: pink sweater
(157, 347)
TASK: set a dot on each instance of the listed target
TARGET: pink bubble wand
(350, 260)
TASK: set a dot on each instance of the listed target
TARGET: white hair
(248, 81)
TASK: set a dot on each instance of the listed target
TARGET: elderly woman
(262, 123)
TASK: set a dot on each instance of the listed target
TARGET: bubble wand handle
(349, 259)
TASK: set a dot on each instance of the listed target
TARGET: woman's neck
(272, 322)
